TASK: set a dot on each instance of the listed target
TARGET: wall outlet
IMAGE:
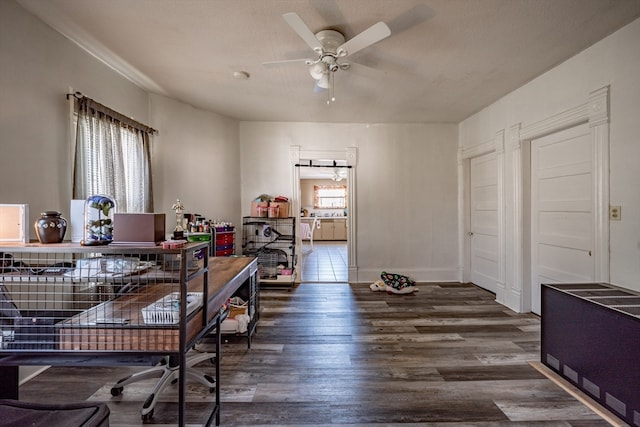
(615, 213)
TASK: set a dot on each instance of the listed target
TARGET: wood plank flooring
(338, 354)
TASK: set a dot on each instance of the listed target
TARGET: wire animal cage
(73, 298)
(272, 241)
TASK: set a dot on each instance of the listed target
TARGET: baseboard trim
(419, 275)
(29, 372)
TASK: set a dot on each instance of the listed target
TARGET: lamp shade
(323, 82)
(317, 70)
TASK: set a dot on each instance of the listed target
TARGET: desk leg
(216, 408)
(218, 356)
(182, 381)
(10, 382)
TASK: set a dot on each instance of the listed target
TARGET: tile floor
(327, 262)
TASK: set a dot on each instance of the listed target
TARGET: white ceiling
(444, 60)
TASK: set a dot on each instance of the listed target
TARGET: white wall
(196, 158)
(37, 68)
(195, 155)
(613, 61)
(406, 201)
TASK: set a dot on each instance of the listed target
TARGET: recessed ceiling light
(241, 75)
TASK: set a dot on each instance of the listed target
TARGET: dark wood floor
(339, 354)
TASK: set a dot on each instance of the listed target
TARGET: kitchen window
(330, 196)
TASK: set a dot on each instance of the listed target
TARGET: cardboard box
(138, 227)
(283, 208)
(259, 209)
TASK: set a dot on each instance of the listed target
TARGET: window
(112, 157)
(330, 196)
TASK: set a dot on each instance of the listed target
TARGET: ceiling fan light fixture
(330, 46)
(318, 89)
(318, 70)
(323, 82)
(337, 175)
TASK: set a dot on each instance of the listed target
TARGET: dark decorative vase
(51, 226)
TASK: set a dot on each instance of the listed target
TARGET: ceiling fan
(338, 174)
(331, 49)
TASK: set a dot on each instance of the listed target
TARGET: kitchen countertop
(311, 218)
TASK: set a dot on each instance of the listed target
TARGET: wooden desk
(83, 331)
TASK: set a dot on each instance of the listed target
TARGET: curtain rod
(95, 105)
(311, 165)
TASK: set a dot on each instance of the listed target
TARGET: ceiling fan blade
(371, 35)
(285, 62)
(303, 31)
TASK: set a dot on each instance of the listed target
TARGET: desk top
(89, 331)
(68, 247)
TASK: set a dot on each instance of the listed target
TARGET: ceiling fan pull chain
(332, 86)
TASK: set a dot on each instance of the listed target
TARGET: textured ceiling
(444, 60)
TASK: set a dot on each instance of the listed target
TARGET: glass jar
(50, 227)
(98, 220)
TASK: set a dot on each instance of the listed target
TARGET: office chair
(168, 370)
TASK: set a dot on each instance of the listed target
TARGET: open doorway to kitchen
(323, 223)
(323, 188)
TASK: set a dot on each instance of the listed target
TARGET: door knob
(470, 233)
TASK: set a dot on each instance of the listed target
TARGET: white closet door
(562, 218)
(484, 221)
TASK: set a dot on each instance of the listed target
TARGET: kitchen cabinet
(340, 229)
(331, 229)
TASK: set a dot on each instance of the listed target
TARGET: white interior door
(484, 221)
(562, 217)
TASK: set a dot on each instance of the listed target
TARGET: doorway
(323, 221)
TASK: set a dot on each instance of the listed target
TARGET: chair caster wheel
(212, 381)
(116, 391)
(147, 417)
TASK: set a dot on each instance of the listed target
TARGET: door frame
(538, 174)
(464, 201)
(595, 112)
(350, 155)
(512, 147)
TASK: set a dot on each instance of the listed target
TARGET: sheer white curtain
(113, 158)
